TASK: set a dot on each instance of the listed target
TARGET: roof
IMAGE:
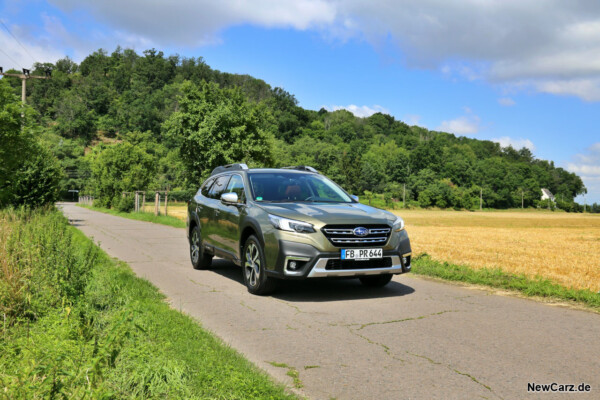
(547, 193)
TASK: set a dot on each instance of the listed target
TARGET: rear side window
(206, 187)
(218, 187)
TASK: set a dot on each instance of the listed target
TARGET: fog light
(404, 260)
(295, 264)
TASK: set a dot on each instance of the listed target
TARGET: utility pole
(404, 195)
(480, 199)
(522, 199)
(24, 76)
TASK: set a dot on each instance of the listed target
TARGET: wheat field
(174, 209)
(562, 247)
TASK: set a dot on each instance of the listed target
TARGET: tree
(117, 168)
(29, 174)
(217, 126)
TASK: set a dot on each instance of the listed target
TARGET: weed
(81, 325)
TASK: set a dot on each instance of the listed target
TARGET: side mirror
(229, 198)
(354, 197)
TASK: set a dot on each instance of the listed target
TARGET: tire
(376, 280)
(253, 265)
(200, 260)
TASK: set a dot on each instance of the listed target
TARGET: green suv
(292, 223)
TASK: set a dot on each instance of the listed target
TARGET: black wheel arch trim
(252, 223)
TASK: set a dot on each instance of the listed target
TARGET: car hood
(325, 213)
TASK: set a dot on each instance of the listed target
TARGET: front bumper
(300, 261)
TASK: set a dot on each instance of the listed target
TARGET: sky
(524, 73)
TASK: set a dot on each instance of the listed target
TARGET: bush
(182, 195)
(126, 204)
(36, 181)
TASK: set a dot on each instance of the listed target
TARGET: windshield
(293, 187)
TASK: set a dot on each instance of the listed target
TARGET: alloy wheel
(252, 265)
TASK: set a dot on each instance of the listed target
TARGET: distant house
(547, 195)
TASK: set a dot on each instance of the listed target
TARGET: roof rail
(303, 168)
(229, 167)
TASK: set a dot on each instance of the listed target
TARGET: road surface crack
(385, 348)
(403, 319)
(457, 372)
(247, 306)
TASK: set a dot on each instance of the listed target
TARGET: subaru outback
(292, 223)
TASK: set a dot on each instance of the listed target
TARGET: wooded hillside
(124, 121)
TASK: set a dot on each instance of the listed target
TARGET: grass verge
(141, 216)
(78, 330)
(496, 278)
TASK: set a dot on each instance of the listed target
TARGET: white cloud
(587, 89)
(412, 119)
(198, 22)
(506, 102)
(519, 143)
(14, 56)
(360, 111)
(588, 170)
(587, 165)
(465, 125)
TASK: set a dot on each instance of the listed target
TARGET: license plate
(361, 254)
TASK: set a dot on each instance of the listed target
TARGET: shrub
(126, 204)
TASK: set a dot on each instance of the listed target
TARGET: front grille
(343, 235)
(338, 264)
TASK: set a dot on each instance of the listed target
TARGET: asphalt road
(415, 338)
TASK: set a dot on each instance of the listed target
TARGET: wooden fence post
(135, 206)
(156, 202)
(143, 200)
(166, 201)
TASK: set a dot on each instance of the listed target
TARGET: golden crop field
(560, 246)
(174, 209)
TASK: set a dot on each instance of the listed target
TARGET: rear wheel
(200, 260)
(255, 276)
(376, 280)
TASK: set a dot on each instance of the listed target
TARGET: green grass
(140, 216)
(112, 337)
(496, 278)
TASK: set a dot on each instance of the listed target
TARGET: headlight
(398, 224)
(291, 225)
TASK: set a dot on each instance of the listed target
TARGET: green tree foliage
(29, 173)
(193, 118)
(217, 126)
(118, 168)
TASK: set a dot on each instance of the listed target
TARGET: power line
(21, 44)
(13, 60)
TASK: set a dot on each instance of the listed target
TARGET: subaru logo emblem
(360, 231)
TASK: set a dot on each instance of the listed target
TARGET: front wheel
(200, 260)
(376, 280)
(255, 276)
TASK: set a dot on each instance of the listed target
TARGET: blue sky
(517, 72)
